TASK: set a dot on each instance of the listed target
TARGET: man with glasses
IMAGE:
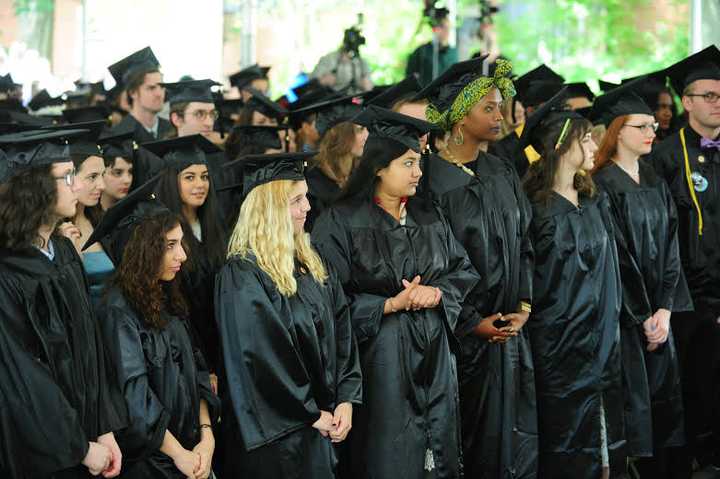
(192, 107)
(689, 160)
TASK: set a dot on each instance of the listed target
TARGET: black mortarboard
(261, 103)
(543, 77)
(264, 136)
(538, 92)
(86, 144)
(332, 111)
(245, 76)
(298, 114)
(141, 60)
(34, 149)
(703, 65)
(579, 89)
(308, 87)
(551, 111)
(607, 86)
(443, 90)
(120, 220)
(121, 145)
(183, 151)
(18, 120)
(260, 169)
(43, 99)
(86, 113)
(407, 88)
(387, 124)
(623, 100)
(7, 84)
(192, 90)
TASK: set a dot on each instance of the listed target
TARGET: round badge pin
(701, 159)
(700, 183)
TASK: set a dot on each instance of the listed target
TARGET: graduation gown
(55, 391)
(575, 335)
(322, 193)
(410, 402)
(490, 216)
(163, 377)
(646, 226)
(140, 134)
(285, 360)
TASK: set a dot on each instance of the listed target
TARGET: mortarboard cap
(245, 76)
(86, 144)
(407, 88)
(119, 221)
(387, 124)
(551, 111)
(443, 90)
(623, 100)
(260, 169)
(579, 89)
(703, 65)
(86, 114)
(43, 99)
(183, 151)
(141, 60)
(261, 103)
(121, 145)
(191, 90)
(36, 148)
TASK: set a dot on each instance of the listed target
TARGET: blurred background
(52, 43)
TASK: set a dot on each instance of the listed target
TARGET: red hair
(608, 147)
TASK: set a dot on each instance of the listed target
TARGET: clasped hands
(414, 297)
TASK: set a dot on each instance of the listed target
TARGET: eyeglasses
(201, 115)
(647, 128)
(709, 97)
(68, 178)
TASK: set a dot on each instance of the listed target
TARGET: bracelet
(525, 307)
(209, 426)
(392, 306)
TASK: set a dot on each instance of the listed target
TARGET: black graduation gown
(575, 336)
(697, 333)
(410, 401)
(490, 216)
(322, 193)
(508, 148)
(198, 283)
(285, 360)
(646, 227)
(55, 392)
(141, 135)
(163, 377)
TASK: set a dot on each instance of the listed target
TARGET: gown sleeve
(39, 427)
(349, 377)
(269, 386)
(526, 250)
(203, 378)
(673, 282)
(148, 417)
(332, 241)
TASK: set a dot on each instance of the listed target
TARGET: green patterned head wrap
(471, 94)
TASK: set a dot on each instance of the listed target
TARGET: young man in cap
(140, 77)
(689, 160)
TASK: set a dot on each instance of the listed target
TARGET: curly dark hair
(538, 181)
(26, 203)
(137, 275)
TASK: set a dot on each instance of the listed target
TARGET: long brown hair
(137, 275)
(608, 147)
(334, 156)
(27, 202)
(540, 178)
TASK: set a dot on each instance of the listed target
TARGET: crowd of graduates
(483, 275)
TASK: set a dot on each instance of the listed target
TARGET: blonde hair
(264, 229)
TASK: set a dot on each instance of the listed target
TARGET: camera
(352, 40)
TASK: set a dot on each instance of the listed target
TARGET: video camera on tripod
(353, 40)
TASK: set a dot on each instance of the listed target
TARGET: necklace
(635, 174)
(451, 158)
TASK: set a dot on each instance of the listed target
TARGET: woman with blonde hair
(291, 363)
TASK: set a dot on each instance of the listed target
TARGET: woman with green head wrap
(482, 199)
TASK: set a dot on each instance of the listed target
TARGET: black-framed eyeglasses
(646, 128)
(709, 97)
(201, 115)
(68, 178)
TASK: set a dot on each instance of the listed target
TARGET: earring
(459, 139)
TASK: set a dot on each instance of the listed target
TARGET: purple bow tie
(705, 143)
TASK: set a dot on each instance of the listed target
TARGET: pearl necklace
(451, 158)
